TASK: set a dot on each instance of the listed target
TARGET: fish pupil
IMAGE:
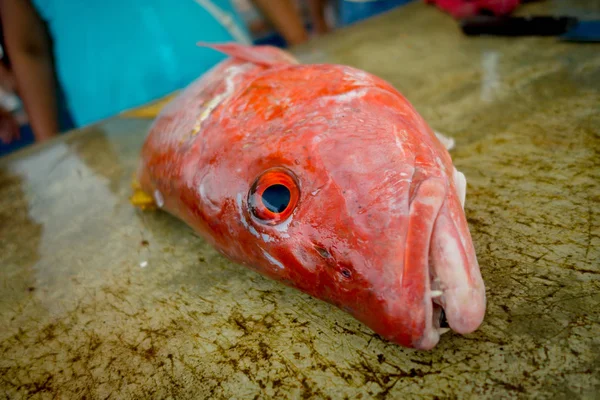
(276, 198)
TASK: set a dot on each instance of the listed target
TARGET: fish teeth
(436, 293)
(443, 330)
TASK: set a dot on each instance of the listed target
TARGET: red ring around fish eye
(273, 196)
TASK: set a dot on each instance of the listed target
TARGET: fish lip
(453, 270)
(431, 334)
(438, 256)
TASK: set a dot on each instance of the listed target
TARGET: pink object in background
(468, 8)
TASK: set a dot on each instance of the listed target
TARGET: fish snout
(441, 285)
(413, 319)
(455, 273)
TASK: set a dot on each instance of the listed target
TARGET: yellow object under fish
(141, 199)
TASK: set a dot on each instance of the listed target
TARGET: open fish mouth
(438, 323)
(452, 291)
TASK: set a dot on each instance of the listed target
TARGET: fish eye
(273, 196)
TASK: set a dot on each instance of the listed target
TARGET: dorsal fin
(264, 55)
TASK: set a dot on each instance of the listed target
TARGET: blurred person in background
(9, 126)
(9, 102)
(109, 56)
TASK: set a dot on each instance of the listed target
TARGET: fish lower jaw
(434, 307)
(433, 311)
(435, 301)
(433, 330)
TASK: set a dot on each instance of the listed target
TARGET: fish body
(325, 178)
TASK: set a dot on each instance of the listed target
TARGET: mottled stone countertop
(83, 316)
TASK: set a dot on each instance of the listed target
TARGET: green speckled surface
(81, 318)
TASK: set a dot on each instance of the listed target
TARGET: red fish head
(325, 178)
(340, 189)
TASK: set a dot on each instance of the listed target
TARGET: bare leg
(317, 13)
(286, 19)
